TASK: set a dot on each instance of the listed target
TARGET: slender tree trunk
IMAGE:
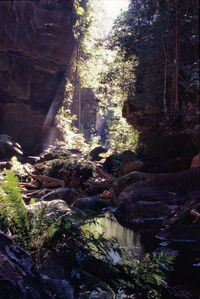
(165, 88)
(76, 75)
(165, 79)
(176, 108)
(79, 107)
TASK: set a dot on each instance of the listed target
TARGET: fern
(147, 276)
(13, 213)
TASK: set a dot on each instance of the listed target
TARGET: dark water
(138, 242)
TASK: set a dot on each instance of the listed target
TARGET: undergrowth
(65, 237)
(13, 213)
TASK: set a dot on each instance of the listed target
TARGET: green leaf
(80, 11)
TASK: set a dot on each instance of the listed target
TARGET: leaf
(80, 11)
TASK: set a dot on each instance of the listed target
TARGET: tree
(98, 68)
(163, 35)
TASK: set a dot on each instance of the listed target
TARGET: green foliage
(72, 138)
(17, 167)
(69, 236)
(146, 36)
(13, 213)
(82, 20)
(147, 276)
(121, 136)
(104, 71)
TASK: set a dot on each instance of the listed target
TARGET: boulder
(91, 203)
(150, 193)
(181, 225)
(94, 187)
(18, 276)
(167, 190)
(48, 210)
(61, 289)
(128, 211)
(130, 166)
(8, 147)
(69, 195)
(57, 166)
(94, 154)
(52, 206)
(164, 145)
(122, 163)
(181, 182)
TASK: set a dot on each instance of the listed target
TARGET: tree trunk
(176, 104)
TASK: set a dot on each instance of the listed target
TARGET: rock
(98, 293)
(94, 287)
(181, 226)
(8, 147)
(149, 193)
(52, 154)
(18, 276)
(5, 164)
(91, 203)
(50, 210)
(54, 168)
(181, 182)
(129, 210)
(130, 166)
(68, 195)
(123, 163)
(36, 49)
(167, 189)
(61, 289)
(112, 163)
(165, 145)
(195, 161)
(52, 206)
(94, 154)
(94, 187)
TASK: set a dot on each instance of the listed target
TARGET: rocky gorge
(52, 201)
(66, 186)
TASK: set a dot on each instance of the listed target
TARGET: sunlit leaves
(80, 11)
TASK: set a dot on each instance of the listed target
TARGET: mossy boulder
(54, 168)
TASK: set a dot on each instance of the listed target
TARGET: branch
(43, 179)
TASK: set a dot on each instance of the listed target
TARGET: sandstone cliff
(36, 44)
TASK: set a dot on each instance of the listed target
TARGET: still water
(139, 243)
(127, 238)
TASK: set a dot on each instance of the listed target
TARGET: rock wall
(36, 44)
(164, 147)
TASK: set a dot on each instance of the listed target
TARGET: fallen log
(41, 182)
(44, 178)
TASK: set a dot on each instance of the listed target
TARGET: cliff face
(36, 44)
(166, 146)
